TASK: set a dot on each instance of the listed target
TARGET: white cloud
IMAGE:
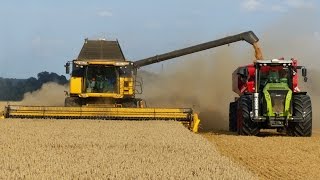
(251, 5)
(276, 6)
(299, 3)
(105, 13)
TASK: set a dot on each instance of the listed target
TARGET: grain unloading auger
(103, 85)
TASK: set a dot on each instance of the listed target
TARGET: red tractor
(269, 98)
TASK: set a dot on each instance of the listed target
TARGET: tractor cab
(275, 71)
(278, 76)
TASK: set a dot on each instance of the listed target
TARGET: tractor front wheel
(245, 125)
(301, 108)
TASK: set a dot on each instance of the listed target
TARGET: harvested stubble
(273, 156)
(109, 149)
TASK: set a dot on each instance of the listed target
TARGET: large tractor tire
(233, 116)
(245, 125)
(72, 102)
(301, 107)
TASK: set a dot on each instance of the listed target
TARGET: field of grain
(56, 149)
(272, 156)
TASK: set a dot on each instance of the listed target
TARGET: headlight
(121, 63)
(81, 62)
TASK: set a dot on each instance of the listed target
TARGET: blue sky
(43, 35)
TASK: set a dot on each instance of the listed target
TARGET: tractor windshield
(276, 74)
(101, 79)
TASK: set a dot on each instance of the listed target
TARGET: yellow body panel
(128, 86)
(195, 123)
(75, 85)
(121, 85)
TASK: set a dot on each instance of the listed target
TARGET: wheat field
(272, 156)
(91, 149)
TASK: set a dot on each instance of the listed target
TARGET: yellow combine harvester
(103, 85)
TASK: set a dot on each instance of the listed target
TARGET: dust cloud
(204, 80)
(50, 94)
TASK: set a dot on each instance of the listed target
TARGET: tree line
(13, 89)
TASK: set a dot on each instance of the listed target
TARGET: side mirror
(304, 74)
(243, 72)
(67, 66)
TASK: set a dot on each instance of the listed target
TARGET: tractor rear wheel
(301, 108)
(233, 116)
(72, 102)
(245, 125)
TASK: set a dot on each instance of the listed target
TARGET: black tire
(233, 116)
(246, 125)
(72, 102)
(301, 106)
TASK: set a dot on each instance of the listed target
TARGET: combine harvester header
(184, 115)
(103, 85)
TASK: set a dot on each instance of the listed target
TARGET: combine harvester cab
(103, 85)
